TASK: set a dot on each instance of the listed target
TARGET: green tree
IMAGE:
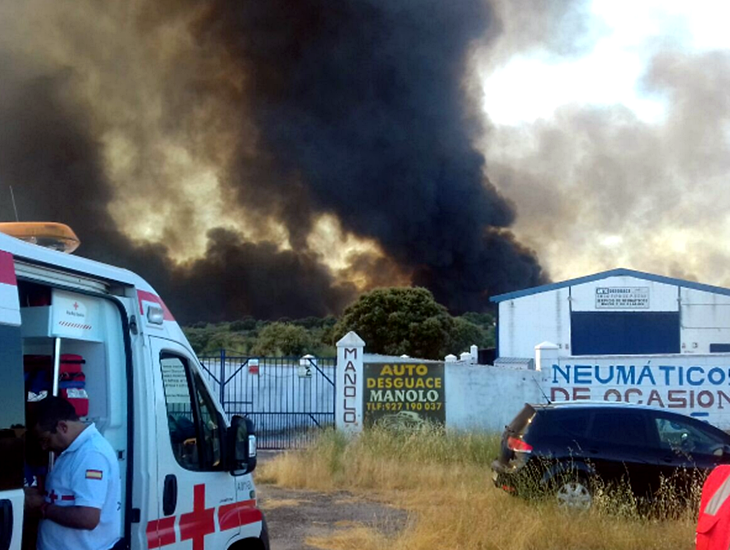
(243, 324)
(397, 321)
(465, 334)
(484, 320)
(282, 339)
(211, 339)
(309, 322)
(232, 342)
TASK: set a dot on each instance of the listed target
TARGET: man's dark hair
(49, 412)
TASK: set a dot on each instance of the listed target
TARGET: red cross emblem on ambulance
(198, 523)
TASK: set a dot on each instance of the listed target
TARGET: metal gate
(289, 399)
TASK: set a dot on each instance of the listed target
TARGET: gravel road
(294, 515)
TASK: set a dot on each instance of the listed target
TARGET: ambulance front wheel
(261, 543)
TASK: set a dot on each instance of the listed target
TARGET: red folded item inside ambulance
(71, 363)
(72, 380)
(78, 398)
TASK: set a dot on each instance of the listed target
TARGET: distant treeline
(315, 335)
(249, 336)
(392, 321)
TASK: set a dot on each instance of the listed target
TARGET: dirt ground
(294, 515)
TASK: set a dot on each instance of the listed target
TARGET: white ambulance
(186, 473)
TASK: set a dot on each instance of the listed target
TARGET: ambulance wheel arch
(261, 543)
(248, 544)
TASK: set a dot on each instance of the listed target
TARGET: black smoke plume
(363, 112)
(49, 157)
(357, 109)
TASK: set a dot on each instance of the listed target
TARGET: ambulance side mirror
(241, 446)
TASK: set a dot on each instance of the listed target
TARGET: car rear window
(575, 423)
(570, 423)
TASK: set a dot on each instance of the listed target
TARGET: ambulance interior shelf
(56, 321)
(38, 370)
(82, 362)
(64, 323)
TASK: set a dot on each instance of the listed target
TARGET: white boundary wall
(485, 398)
(696, 385)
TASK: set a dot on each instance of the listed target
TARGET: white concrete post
(546, 355)
(474, 350)
(349, 383)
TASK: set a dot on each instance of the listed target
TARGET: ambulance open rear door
(12, 411)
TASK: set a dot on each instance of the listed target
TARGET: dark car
(568, 449)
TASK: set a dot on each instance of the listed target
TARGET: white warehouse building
(617, 312)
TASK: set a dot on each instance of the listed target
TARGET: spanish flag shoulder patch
(94, 474)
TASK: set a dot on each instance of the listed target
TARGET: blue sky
(625, 34)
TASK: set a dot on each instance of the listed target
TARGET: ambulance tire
(261, 543)
(249, 544)
(264, 535)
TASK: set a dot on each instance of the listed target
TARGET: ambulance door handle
(169, 496)
(6, 524)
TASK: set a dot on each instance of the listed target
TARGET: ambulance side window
(12, 412)
(211, 432)
(195, 433)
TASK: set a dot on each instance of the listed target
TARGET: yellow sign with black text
(404, 394)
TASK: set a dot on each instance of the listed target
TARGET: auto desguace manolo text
(404, 393)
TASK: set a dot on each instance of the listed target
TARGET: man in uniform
(81, 507)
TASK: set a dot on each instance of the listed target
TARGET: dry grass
(443, 480)
(355, 538)
(272, 503)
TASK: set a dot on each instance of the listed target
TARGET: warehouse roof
(611, 273)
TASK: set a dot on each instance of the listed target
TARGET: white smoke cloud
(637, 182)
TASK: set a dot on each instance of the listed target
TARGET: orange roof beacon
(56, 236)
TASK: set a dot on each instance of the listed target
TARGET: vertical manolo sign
(404, 394)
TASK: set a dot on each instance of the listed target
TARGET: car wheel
(574, 493)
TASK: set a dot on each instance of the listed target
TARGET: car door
(194, 487)
(688, 446)
(619, 447)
